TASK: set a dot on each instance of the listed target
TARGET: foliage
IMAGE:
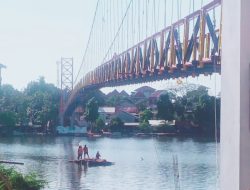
(42, 101)
(99, 125)
(165, 107)
(116, 125)
(145, 127)
(92, 110)
(9, 98)
(180, 108)
(38, 103)
(205, 113)
(7, 119)
(142, 105)
(19, 181)
(146, 115)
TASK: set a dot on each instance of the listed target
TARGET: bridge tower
(1, 67)
(235, 94)
(66, 83)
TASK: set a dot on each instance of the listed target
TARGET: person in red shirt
(85, 151)
(80, 151)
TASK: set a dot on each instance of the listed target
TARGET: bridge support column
(235, 93)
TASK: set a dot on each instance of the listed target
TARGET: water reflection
(139, 163)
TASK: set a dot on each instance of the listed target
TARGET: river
(140, 164)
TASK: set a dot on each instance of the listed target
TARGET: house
(156, 123)
(113, 93)
(138, 96)
(126, 117)
(126, 105)
(154, 97)
(75, 130)
(130, 121)
(124, 94)
(145, 90)
(105, 113)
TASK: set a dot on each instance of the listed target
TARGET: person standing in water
(85, 151)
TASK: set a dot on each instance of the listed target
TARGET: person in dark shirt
(97, 156)
(85, 151)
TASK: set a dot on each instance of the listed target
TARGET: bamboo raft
(92, 162)
(11, 162)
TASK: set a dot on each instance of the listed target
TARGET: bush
(145, 127)
(11, 179)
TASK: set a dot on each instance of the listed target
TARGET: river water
(140, 164)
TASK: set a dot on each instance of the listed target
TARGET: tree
(92, 110)
(179, 108)
(99, 125)
(146, 115)
(7, 119)
(145, 127)
(42, 101)
(205, 113)
(9, 98)
(116, 125)
(165, 107)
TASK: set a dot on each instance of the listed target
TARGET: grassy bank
(11, 179)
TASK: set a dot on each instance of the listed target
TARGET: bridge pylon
(235, 96)
(66, 84)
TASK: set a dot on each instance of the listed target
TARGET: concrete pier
(235, 131)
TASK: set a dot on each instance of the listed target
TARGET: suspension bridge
(190, 46)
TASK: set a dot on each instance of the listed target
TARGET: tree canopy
(38, 103)
(165, 107)
(92, 110)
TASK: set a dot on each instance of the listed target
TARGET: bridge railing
(163, 53)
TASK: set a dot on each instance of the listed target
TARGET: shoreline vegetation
(35, 110)
(10, 179)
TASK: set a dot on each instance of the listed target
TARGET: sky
(35, 34)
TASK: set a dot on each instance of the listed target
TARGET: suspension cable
(215, 110)
(127, 30)
(172, 14)
(147, 18)
(154, 19)
(139, 24)
(86, 49)
(111, 45)
(165, 13)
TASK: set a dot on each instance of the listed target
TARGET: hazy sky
(35, 34)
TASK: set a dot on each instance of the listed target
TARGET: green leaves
(42, 101)
(165, 107)
(99, 125)
(8, 119)
(146, 115)
(92, 110)
(11, 179)
(116, 125)
(38, 103)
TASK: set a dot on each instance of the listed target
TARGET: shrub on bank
(11, 179)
